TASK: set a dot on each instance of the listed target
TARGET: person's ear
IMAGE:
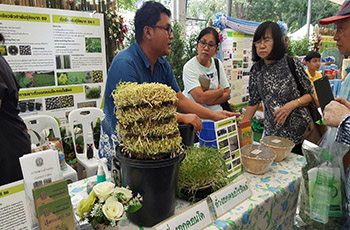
(147, 32)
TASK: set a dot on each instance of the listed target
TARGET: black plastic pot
(186, 131)
(30, 106)
(38, 106)
(22, 107)
(156, 181)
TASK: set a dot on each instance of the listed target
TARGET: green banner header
(19, 16)
(11, 190)
(75, 20)
(50, 92)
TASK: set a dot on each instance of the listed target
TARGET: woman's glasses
(262, 42)
(203, 44)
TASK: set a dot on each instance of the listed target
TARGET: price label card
(231, 195)
(196, 217)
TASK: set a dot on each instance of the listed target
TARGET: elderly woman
(203, 66)
(272, 82)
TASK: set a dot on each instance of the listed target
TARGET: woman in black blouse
(272, 82)
(14, 139)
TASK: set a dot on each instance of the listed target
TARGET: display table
(272, 204)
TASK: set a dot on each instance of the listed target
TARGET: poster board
(14, 213)
(236, 53)
(57, 56)
(226, 133)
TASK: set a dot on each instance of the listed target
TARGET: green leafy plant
(176, 57)
(300, 47)
(203, 167)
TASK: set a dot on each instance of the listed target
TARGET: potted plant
(150, 150)
(106, 205)
(202, 172)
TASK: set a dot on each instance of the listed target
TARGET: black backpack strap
(291, 66)
(217, 68)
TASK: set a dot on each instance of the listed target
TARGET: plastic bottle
(62, 161)
(101, 176)
(102, 171)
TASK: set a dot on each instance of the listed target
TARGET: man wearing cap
(337, 112)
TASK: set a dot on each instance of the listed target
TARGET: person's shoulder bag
(314, 131)
(225, 106)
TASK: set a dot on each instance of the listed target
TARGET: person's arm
(337, 114)
(250, 111)
(282, 114)
(186, 105)
(192, 119)
(224, 97)
(207, 97)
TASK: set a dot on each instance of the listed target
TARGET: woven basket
(281, 151)
(257, 164)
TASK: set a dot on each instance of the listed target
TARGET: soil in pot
(195, 196)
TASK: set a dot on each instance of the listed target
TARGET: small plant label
(230, 196)
(228, 143)
(196, 217)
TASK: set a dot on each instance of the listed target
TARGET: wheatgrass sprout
(146, 120)
(203, 167)
(132, 93)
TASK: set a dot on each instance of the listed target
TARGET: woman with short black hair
(272, 82)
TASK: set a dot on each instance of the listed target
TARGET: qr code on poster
(25, 50)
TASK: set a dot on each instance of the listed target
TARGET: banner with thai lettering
(58, 58)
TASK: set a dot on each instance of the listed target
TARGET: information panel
(57, 56)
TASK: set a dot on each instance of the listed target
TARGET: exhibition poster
(58, 58)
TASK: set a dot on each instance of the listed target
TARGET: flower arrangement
(106, 205)
(316, 42)
(117, 29)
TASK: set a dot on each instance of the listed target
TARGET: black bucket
(155, 181)
(187, 135)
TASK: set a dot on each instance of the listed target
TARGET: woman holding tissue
(272, 82)
(14, 139)
(201, 78)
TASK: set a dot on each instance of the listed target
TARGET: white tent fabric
(300, 34)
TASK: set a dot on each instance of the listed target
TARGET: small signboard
(196, 217)
(231, 195)
(14, 213)
(228, 143)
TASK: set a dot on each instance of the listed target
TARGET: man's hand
(335, 111)
(343, 101)
(192, 119)
(224, 114)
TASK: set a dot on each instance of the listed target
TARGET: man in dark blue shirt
(143, 62)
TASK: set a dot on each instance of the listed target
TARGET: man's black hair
(311, 55)
(148, 15)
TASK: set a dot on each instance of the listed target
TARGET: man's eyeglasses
(203, 44)
(262, 41)
(168, 29)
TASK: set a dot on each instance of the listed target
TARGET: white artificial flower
(103, 190)
(127, 193)
(113, 209)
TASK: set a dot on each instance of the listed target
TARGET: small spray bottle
(102, 171)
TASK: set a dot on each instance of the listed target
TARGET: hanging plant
(116, 29)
